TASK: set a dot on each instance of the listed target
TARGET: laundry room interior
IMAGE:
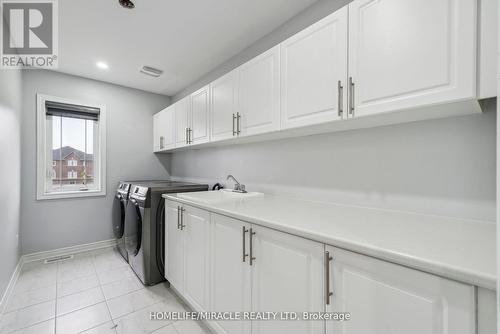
(263, 167)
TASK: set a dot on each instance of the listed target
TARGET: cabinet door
(174, 246)
(156, 132)
(411, 53)
(167, 128)
(259, 93)
(223, 106)
(287, 276)
(196, 257)
(182, 111)
(387, 298)
(199, 116)
(230, 284)
(313, 63)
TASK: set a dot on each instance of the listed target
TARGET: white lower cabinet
(231, 277)
(287, 276)
(174, 246)
(195, 229)
(221, 264)
(382, 297)
(187, 252)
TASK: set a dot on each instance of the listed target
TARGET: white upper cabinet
(411, 53)
(182, 118)
(224, 98)
(199, 127)
(156, 132)
(488, 48)
(314, 73)
(259, 94)
(406, 59)
(287, 275)
(163, 130)
(386, 298)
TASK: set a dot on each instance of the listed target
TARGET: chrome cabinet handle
(178, 217)
(328, 294)
(162, 142)
(252, 258)
(351, 97)
(244, 232)
(190, 136)
(186, 135)
(340, 98)
(238, 123)
(182, 218)
(234, 131)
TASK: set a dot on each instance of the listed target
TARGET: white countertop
(463, 250)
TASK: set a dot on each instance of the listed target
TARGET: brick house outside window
(75, 166)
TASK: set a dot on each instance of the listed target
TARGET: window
(69, 132)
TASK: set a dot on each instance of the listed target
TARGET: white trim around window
(44, 148)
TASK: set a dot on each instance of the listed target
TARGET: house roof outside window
(66, 151)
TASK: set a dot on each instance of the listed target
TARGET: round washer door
(133, 227)
(119, 207)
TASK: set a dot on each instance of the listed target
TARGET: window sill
(70, 194)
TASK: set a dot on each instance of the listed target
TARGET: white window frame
(72, 164)
(72, 173)
(43, 155)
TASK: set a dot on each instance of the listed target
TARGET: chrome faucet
(238, 187)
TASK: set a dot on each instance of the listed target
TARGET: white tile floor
(95, 292)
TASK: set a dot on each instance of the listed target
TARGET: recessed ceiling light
(102, 65)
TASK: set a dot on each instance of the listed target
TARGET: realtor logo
(29, 34)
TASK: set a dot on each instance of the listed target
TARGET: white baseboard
(68, 250)
(45, 255)
(10, 286)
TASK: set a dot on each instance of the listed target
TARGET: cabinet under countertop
(463, 250)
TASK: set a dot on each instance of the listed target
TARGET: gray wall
(304, 19)
(10, 178)
(51, 224)
(443, 167)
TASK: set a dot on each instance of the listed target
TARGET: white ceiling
(184, 38)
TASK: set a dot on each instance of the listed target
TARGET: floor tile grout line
(79, 309)
(102, 291)
(92, 255)
(54, 317)
(170, 324)
(25, 307)
(35, 323)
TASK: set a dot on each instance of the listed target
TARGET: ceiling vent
(126, 4)
(151, 71)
